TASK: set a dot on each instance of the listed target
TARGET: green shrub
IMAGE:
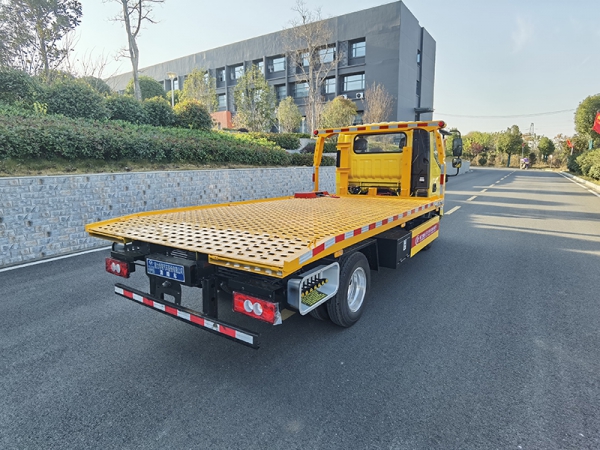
(17, 87)
(98, 85)
(149, 86)
(594, 172)
(193, 115)
(123, 107)
(482, 161)
(159, 112)
(573, 165)
(587, 161)
(329, 147)
(74, 98)
(288, 141)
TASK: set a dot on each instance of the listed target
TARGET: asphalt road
(488, 340)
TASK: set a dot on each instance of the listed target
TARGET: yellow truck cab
(310, 253)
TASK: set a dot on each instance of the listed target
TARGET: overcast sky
(527, 59)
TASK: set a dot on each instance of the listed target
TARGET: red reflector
(316, 132)
(314, 177)
(257, 308)
(116, 267)
(422, 124)
(441, 124)
(384, 127)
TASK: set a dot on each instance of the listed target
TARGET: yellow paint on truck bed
(273, 237)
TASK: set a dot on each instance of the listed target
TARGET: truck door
(420, 167)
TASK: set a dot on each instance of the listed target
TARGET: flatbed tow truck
(311, 252)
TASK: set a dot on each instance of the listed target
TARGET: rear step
(190, 316)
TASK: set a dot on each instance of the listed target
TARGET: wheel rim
(357, 289)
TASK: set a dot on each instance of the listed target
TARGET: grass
(16, 168)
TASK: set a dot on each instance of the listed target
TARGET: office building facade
(383, 45)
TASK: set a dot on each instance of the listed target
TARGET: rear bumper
(190, 316)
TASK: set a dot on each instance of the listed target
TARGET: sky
(498, 63)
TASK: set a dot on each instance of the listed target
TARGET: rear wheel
(346, 307)
(320, 312)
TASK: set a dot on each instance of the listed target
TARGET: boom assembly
(311, 253)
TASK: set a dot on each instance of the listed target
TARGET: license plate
(165, 270)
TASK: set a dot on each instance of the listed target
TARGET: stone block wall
(42, 217)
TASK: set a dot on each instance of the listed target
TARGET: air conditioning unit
(345, 96)
(360, 95)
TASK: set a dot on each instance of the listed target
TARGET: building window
(220, 75)
(301, 90)
(327, 55)
(354, 82)
(305, 59)
(419, 57)
(236, 72)
(358, 49)
(222, 101)
(176, 84)
(330, 85)
(261, 65)
(281, 92)
(277, 64)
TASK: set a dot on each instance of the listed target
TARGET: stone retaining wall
(41, 217)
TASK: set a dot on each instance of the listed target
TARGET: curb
(586, 183)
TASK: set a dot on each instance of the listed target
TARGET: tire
(320, 312)
(346, 307)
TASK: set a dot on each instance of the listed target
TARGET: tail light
(256, 308)
(118, 268)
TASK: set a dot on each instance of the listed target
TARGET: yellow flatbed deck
(274, 237)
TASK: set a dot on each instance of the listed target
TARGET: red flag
(596, 126)
(569, 143)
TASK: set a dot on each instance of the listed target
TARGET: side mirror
(457, 147)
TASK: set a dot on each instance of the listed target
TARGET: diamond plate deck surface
(270, 232)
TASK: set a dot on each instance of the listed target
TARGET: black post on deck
(209, 297)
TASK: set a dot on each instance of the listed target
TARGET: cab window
(380, 143)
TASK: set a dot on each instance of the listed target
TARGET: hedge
(25, 135)
(587, 164)
(288, 141)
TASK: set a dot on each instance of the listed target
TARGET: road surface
(488, 340)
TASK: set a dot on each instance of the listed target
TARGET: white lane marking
(35, 263)
(574, 182)
(456, 208)
(472, 198)
(483, 190)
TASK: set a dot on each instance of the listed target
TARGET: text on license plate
(165, 270)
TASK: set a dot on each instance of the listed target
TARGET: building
(384, 45)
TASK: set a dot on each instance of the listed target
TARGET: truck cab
(400, 159)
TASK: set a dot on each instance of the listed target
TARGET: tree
(340, 112)
(32, 32)
(254, 101)
(312, 54)
(135, 13)
(585, 115)
(159, 112)
(288, 115)
(199, 85)
(124, 107)
(546, 147)
(378, 104)
(509, 142)
(148, 86)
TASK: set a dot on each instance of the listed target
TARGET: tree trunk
(133, 51)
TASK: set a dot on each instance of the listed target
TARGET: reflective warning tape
(380, 126)
(353, 233)
(210, 325)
